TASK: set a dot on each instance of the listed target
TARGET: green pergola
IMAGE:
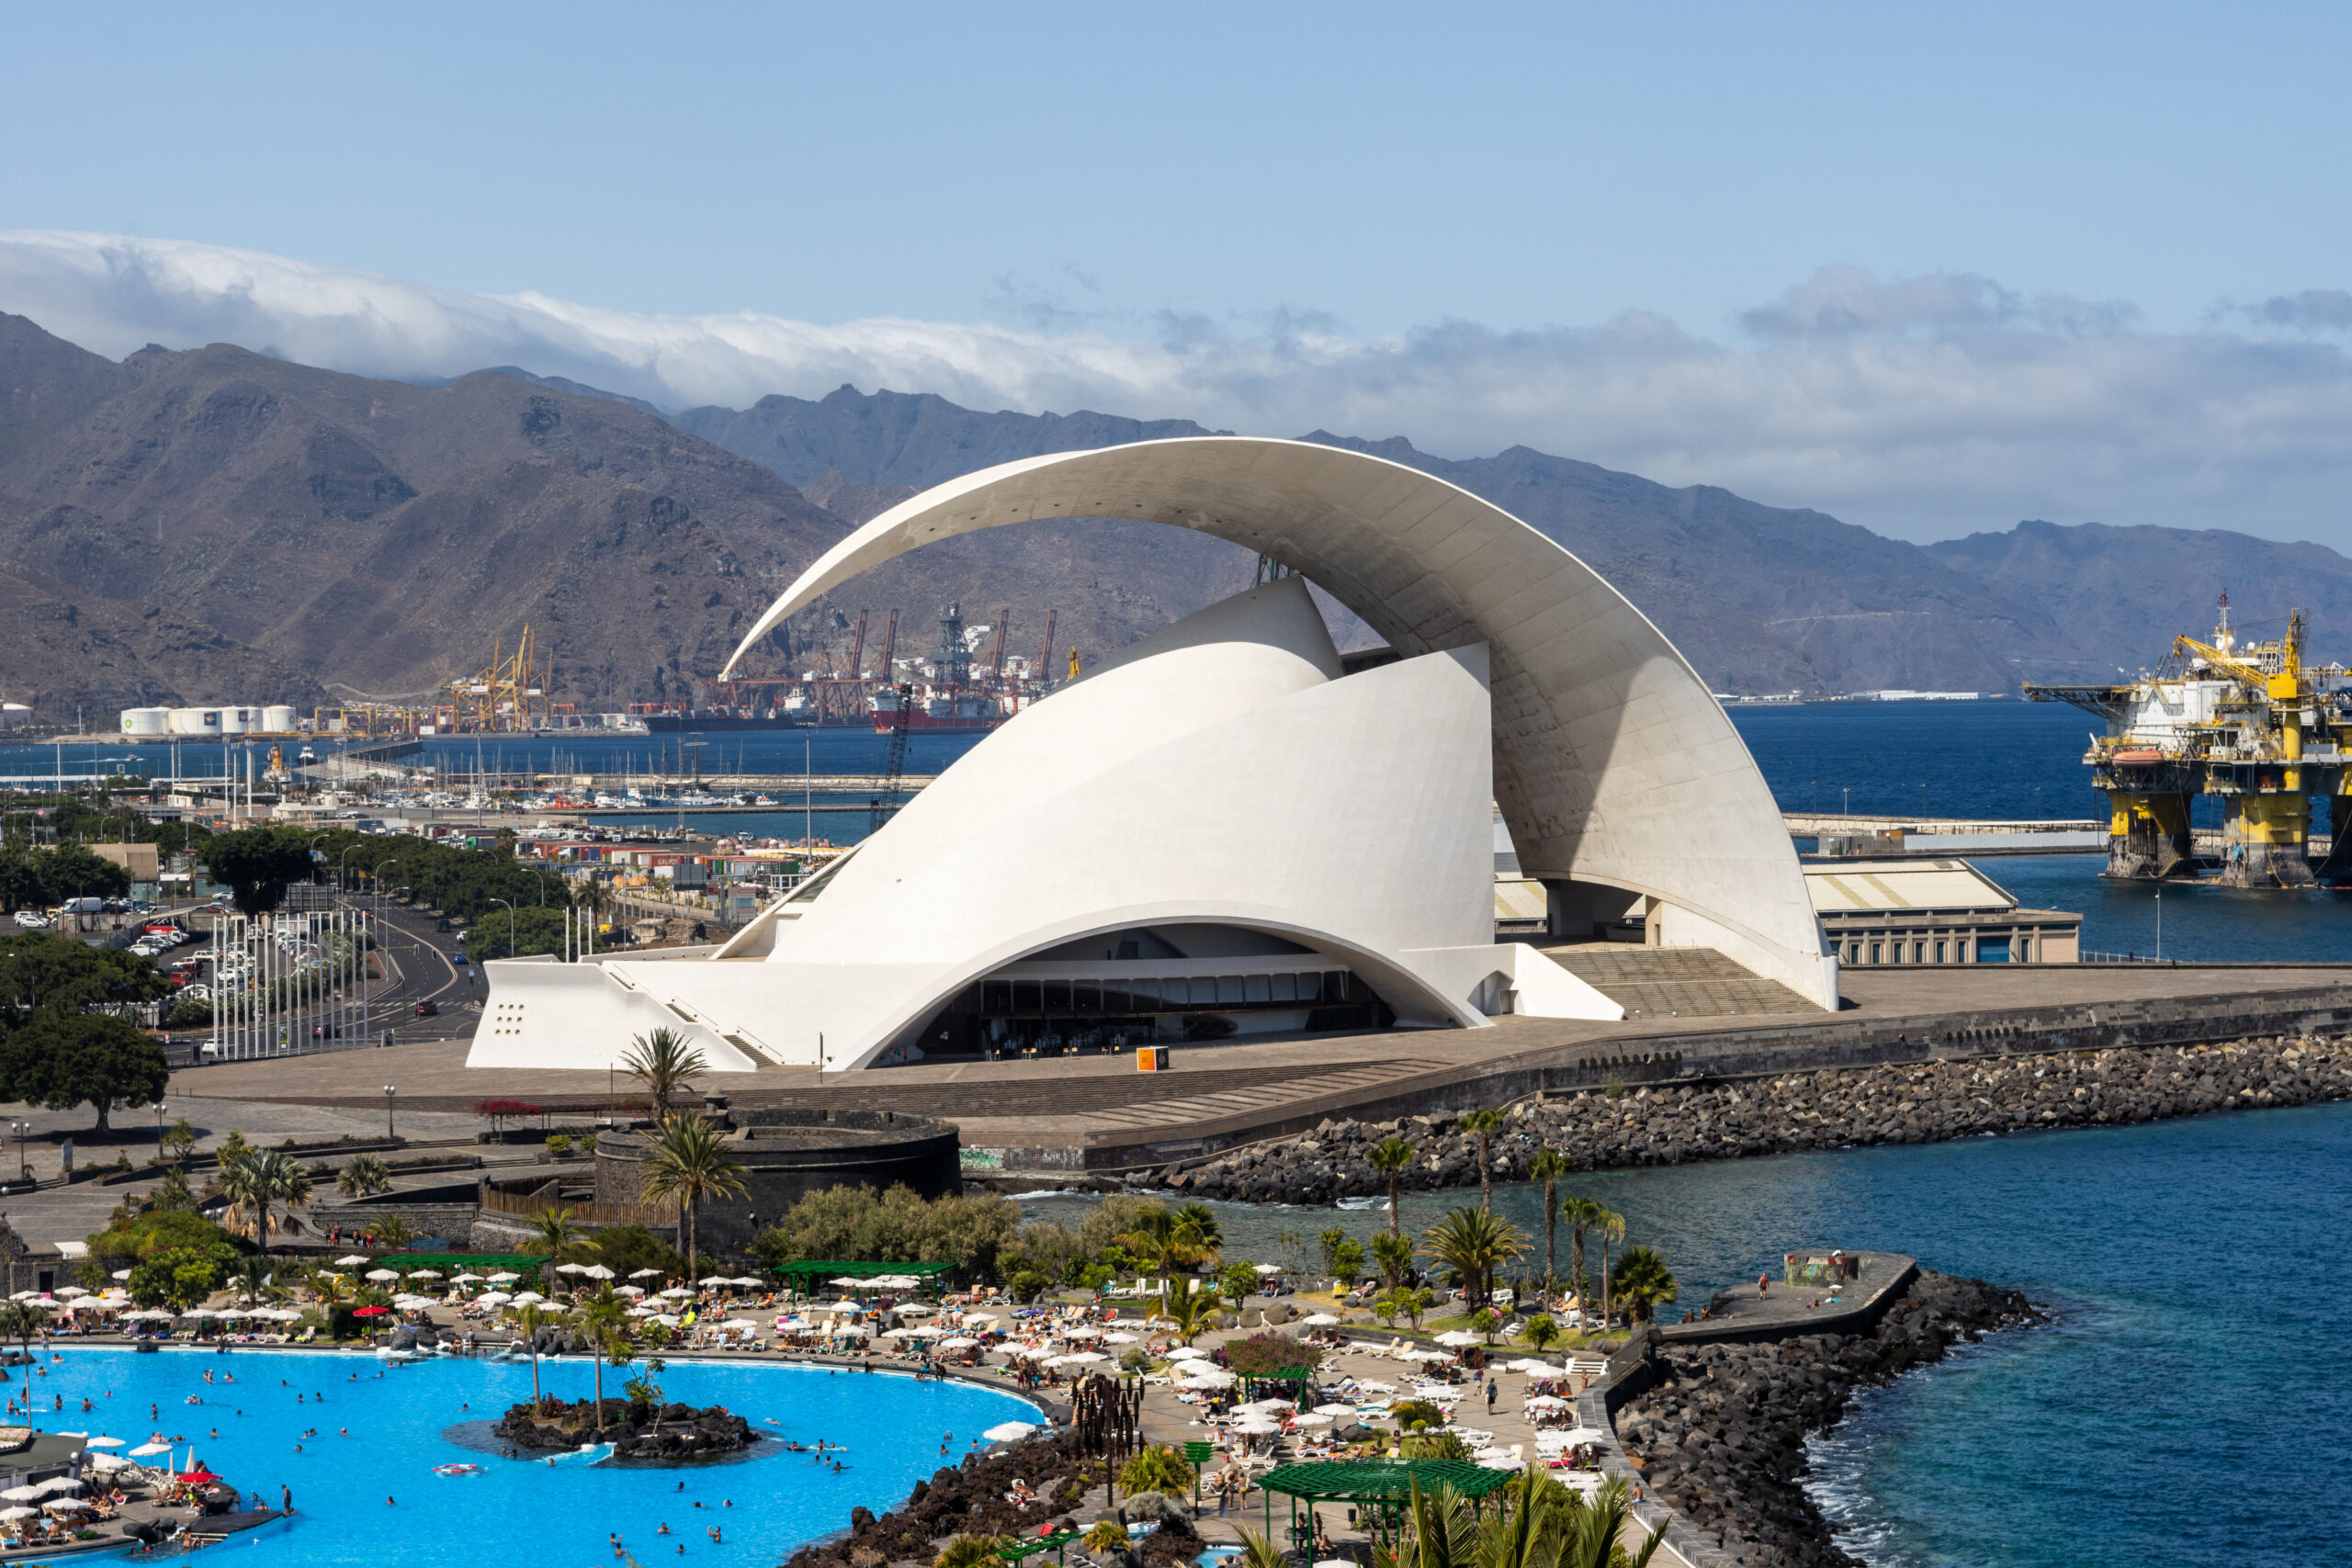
(1383, 1485)
(1056, 1542)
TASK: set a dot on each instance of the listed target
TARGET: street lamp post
(389, 1090)
(510, 926)
(159, 1126)
(24, 1171)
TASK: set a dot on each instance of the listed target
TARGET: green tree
(1186, 1303)
(256, 1181)
(663, 1061)
(177, 1279)
(972, 1232)
(523, 931)
(1542, 1332)
(1643, 1281)
(687, 1160)
(131, 1237)
(1167, 1240)
(1581, 1215)
(604, 1318)
(972, 1551)
(1608, 1227)
(1473, 1245)
(1200, 1223)
(1260, 1552)
(624, 1249)
(1157, 1469)
(259, 863)
(1482, 1124)
(528, 1322)
(59, 1060)
(1403, 1301)
(1394, 1254)
(1548, 1167)
(22, 1321)
(363, 1175)
(1235, 1282)
(44, 973)
(555, 1234)
(1392, 1158)
(180, 1139)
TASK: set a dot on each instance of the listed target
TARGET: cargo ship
(937, 710)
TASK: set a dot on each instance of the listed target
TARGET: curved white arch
(1613, 763)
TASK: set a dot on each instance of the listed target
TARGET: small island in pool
(638, 1430)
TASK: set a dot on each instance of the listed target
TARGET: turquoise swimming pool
(373, 1496)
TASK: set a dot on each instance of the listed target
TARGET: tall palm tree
(1608, 1227)
(1548, 1167)
(1474, 1244)
(21, 1321)
(663, 1061)
(530, 1320)
(605, 1318)
(1392, 1158)
(1483, 1125)
(688, 1160)
(1581, 1215)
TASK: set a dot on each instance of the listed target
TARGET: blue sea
(2188, 1408)
(367, 1494)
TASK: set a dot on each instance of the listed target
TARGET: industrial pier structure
(2248, 722)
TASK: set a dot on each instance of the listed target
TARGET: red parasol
(370, 1312)
(198, 1477)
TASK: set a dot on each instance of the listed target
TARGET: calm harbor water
(374, 1498)
(2188, 1405)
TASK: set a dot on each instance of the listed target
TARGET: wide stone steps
(1677, 982)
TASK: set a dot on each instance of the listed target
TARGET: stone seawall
(1717, 1431)
(1915, 1102)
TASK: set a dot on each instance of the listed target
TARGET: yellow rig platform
(2248, 722)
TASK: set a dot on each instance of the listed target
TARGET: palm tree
(554, 1234)
(1167, 1240)
(1608, 1227)
(1643, 1280)
(1208, 1238)
(1538, 1524)
(530, 1320)
(688, 1160)
(1186, 1303)
(253, 1280)
(1548, 1167)
(1581, 1215)
(1259, 1552)
(363, 1174)
(1483, 1124)
(1392, 1158)
(20, 1321)
(1394, 1254)
(605, 1318)
(1474, 1244)
(256, 1179)
(663, 1061)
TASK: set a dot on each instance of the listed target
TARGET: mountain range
(217, 524)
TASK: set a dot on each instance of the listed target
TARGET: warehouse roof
(1840, 887)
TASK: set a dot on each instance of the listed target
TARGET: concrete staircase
(1676, 982)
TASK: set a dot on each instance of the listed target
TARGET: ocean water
(2188, 1406)
(372, 1497)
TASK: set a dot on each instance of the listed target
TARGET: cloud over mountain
(1922, 406)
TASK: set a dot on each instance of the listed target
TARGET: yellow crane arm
(2236, 670)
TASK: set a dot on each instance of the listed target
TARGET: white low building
(1217, 831)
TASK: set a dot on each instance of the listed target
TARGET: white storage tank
(146, 721)
(236, 721)
(196, 721)
(279, 718)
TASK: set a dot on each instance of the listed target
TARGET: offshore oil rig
(2248, 722)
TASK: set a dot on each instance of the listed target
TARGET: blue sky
(1933, 269)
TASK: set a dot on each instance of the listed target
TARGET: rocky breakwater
(976, 1498)
(1719, 1434)
(1676, 1124)
(638, 1430)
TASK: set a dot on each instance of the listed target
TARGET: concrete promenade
(1079, 1115)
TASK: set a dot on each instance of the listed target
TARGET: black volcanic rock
(636, 1431)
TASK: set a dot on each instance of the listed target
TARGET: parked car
(27, 919)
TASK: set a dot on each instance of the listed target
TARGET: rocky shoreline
(636, 1431)
(1920, 1102)
(1719, 1435)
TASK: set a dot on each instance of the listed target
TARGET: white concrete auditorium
(1222, 831)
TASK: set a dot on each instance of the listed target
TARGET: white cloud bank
(1917, 406)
